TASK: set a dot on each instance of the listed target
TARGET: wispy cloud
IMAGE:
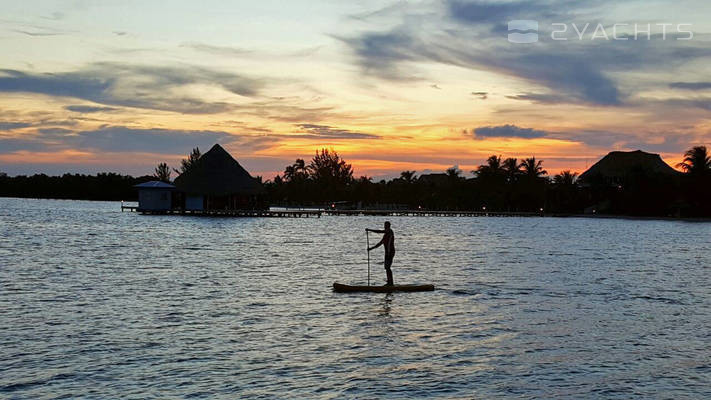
(481, 95)
(217, 50)
(691, 85)
(89, 109)
(504, 131)
(472, 35)
(8, 126)
(38, 33)
(314, 131)
(139, 86)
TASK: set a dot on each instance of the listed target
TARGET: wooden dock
(305, 213)
(231, 213)
(432, 213)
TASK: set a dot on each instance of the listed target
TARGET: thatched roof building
(618, 166)
(217, 182)
(216, 173)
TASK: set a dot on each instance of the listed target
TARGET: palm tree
(512, 169)
(565, 178)
(696, 161)
(453, 173)
(162, 172)
(533, 168)
(408, 176)
(295, 171)
(492, 168)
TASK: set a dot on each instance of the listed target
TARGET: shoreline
(480, 214)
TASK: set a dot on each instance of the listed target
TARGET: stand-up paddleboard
(341, 288)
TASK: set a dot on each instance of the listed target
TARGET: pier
(432, 213)
(230, 213)
(310, 212)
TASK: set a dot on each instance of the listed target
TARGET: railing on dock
(433, 213)
(277, 212)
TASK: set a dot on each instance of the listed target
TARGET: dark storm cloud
(507, 130)
(149, 87)
(327, 132)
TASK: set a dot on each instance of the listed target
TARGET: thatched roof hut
(216, 173)
(620, 165)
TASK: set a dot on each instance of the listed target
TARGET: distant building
(618, 167)
(434, 179)
(155, 196)
(218, 182)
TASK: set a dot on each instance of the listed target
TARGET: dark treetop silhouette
(622, 183)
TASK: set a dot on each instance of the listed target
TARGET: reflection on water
(98, 303)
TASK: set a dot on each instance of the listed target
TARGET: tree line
(499, 184)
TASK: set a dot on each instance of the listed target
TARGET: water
(99, 303)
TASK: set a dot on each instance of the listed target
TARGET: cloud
(327, 132)
(8, 126)
(38, 33)
(480, 11)
(511, 131)
(124, 139)
(217, 50)
(54, 131)
(116, 139)
(148, 87)
(481, 95)
(381, 54)
(472, 35)
(89, 109)
(691, 85)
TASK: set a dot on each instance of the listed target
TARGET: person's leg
(388, 271)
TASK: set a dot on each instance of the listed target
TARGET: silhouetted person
(388, 242)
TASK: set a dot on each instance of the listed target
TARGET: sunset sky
(89, 86)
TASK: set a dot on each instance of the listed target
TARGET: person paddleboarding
(388, 242)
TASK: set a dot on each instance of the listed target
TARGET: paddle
(367, 247)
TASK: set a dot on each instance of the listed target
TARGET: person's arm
(380, 243)
(374, 230)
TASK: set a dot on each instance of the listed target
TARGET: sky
(91, 86)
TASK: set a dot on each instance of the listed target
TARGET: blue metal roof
(154, 185)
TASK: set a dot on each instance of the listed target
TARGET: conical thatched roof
(216, 173)
(619, 165)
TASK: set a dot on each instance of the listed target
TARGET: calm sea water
(97, 303)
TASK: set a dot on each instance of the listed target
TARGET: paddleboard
(341, 288)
